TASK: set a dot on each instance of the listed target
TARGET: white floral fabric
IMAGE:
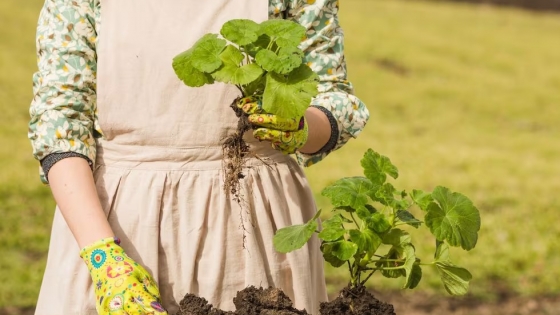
(64, 112)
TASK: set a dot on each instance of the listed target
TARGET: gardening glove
(287, 134)
(122, 286)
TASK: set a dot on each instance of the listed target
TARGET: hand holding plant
(264, 62)
(366, 231)
(286, 134)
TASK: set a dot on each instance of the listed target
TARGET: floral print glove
(122, 286)
(286, 134)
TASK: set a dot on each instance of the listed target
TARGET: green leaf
(238, 75)
(385, 194)
(332, 229)
(455, 279)
(414, 277)
(327, 249)
(397, 238)
(393, 254)
(367, 240)
(366, 212)
(349, 192)
(377, 167)
(294, 237)
(184, 69)
(287, 59)
(255, 87)
(240, 31)
(285, 33)
(344, 250)
(407, 217)
(409, 263)
(442, 251)
(378, 222)
(422, 199)
(206, 53)
(261, 43)
(290, 95)
(453, 217)
(231, 72)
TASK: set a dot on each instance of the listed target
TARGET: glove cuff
(95, 253)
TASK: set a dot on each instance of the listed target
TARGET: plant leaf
(393, 254)
(241, 31)
(409, 263)
(453, 217)
(294, 237)
(367, 240)
(422, 199)
(344, 250)
(232, 72)
(288, 59)
(290, 95)
(349, 192)
(397, 238)
(455, 279)
(414, 277)
(182, 65)
(332, 229)
(407, 217)
(328, 255)
(206, 53)
(442, 251)
(255, 87)
(261, 43)
(377, 167)
(385, 194)
(285, 33)
(378, 222)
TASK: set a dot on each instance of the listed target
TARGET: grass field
(462, 96)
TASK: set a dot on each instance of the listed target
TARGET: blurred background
(464, 94)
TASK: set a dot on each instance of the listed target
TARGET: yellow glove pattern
(286, 134)
(122, 286)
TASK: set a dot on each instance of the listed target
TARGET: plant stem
(367, 278)
(354, 219)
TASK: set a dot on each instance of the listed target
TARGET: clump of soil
(235, 151)
(354, 301)
(250, 301)
(272, 301)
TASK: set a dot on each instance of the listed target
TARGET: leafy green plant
(264, 62)
(366, 232)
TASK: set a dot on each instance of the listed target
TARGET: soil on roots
(354, 301)
(235, 152)
(250, 301)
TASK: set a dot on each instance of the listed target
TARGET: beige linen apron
(159, 172)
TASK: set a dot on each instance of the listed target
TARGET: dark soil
(250, 301)
(418, 303)
(354, 301)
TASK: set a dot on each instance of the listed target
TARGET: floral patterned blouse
(63, 110)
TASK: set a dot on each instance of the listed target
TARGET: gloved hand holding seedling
(264, 62)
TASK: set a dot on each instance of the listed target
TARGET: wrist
(95, 253)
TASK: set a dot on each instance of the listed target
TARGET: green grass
(462, 96)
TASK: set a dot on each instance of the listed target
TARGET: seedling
(366, 232)
(264, 62)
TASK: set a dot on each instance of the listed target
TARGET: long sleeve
(324, 53)
(63, 109)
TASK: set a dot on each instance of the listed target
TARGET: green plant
(366, 234)
(264, 62)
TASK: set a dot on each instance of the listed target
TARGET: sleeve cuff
(50, 160)
(335, 133)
